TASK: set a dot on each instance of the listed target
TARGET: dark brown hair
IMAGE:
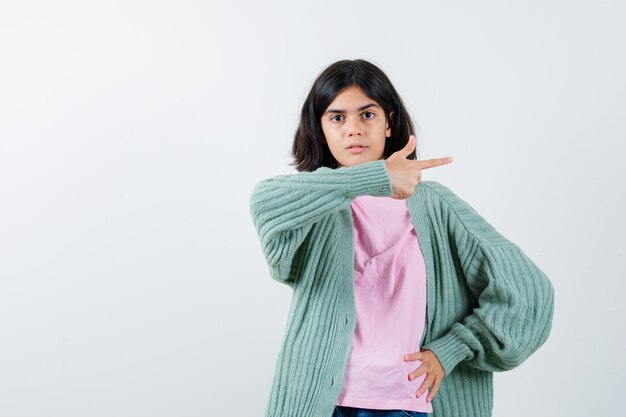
(309, 148)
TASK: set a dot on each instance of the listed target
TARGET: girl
(405, 300)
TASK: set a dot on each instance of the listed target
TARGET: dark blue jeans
(343, 411)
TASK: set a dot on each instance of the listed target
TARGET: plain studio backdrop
(132, 281)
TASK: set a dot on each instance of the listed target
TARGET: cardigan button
(346, 321)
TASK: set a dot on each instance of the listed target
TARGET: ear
(388, 132)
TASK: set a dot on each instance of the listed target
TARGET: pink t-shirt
(390, 295)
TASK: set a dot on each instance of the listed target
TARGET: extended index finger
(430, 163)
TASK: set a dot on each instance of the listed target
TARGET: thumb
(409, 147)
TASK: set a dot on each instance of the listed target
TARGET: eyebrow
(359, 109)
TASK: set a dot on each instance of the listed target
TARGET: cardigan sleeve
(515, 299)
(285, 207)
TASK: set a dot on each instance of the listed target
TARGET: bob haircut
(309, 148)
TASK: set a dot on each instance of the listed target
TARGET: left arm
(515, 298)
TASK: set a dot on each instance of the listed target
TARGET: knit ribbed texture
(489, 306)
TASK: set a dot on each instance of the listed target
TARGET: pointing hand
(404, 173)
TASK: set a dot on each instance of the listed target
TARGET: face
(355, 128)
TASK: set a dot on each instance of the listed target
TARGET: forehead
(351, 99)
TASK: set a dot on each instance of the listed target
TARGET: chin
(357, 161)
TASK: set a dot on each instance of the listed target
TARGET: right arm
(285, 207)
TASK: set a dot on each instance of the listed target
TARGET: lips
(356, 148)
(355, 145)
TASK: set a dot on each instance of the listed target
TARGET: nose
(353, 126)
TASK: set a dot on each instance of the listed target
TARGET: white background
(132, 282)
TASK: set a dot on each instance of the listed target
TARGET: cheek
(334, 148)
(328, 133)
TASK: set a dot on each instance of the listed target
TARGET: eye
(369, 112)
(333, 118)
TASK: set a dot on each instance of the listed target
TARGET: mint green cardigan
(489, 306)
